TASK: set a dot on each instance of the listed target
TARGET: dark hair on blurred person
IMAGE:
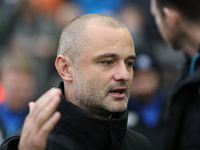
(188, 8)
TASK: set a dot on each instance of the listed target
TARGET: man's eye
(130, 64)
(107, 63)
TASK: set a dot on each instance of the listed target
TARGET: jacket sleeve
(12, 142)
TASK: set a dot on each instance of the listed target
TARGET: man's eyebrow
(132, 57)
(113, 55)
(106, 55)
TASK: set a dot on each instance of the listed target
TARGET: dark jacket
(183, 130)
(2, 133)
(78, 130)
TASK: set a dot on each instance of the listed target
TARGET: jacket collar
(99, 133)
(184, 79)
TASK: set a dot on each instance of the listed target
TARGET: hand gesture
(40, 121)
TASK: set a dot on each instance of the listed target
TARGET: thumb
(31, 106)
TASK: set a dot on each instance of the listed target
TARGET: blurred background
(29, 35)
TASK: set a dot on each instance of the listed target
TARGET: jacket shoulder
(11, 143)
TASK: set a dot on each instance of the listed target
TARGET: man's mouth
(118, 92)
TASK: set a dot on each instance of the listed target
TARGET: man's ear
(172, 16)
(64, 67)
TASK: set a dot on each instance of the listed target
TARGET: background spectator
(148, 106)
(18, 81)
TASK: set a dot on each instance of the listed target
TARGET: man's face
(104, 75)
(170, 32)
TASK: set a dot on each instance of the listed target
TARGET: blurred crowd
(29, 35)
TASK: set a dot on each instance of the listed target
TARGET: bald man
(95, 60)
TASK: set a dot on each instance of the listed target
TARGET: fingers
(46, 105)
(31, 106)
(40, 121)
(43, 111)
(48, 126)
(51, 93)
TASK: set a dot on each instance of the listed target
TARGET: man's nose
(122, 73)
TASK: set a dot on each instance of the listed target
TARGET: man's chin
(118, 108)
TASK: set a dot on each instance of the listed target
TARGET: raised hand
(40, 121)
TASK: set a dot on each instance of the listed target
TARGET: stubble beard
(92, 96)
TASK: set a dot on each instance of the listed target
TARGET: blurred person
(19, 44)
(45, 49)
(179, 24)
(151, 29)
(17, 77)
(42, 48)
(147, 104)
(95, 60)
(132, 13)
(134, 17)
(45, 54)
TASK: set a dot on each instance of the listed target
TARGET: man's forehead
(95, 32)
(98, 27)
(105, 40)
